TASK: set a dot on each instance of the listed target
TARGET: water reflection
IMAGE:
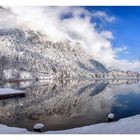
(69, 104)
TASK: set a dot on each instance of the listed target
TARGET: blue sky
(126, 28)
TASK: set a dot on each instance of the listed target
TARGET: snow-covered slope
(27, 54)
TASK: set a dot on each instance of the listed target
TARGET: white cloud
(123, 49)
(107, 34)
(7, 19)
(73, 23)
(104, 15)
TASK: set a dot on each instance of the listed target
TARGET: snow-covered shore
(129, 125)
(12, 130)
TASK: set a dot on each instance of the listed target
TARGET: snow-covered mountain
(29, 54)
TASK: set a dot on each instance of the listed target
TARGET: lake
(70, 103)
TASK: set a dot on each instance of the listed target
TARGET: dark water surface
(69, 104)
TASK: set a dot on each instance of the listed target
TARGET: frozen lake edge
(128, 125)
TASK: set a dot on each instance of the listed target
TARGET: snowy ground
(12, 130)
(129, 125)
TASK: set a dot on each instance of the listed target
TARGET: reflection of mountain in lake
(66, 104)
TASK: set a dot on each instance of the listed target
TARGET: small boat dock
(6, 93)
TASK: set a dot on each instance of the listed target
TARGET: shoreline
(122, 126)
(24, 80)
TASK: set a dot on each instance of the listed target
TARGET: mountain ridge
(28, 54)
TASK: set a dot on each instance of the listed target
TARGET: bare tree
(2, 66)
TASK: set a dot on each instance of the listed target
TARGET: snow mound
(111, 116)
(38, 126)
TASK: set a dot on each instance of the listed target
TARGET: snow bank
(12, 130)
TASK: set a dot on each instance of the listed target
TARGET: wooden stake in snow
(110, 117)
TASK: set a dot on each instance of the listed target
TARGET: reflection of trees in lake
(61, 105)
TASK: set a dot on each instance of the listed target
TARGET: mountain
(30, 54)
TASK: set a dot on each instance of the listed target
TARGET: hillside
(29, 54)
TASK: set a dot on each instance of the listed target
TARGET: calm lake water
(70, 104)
